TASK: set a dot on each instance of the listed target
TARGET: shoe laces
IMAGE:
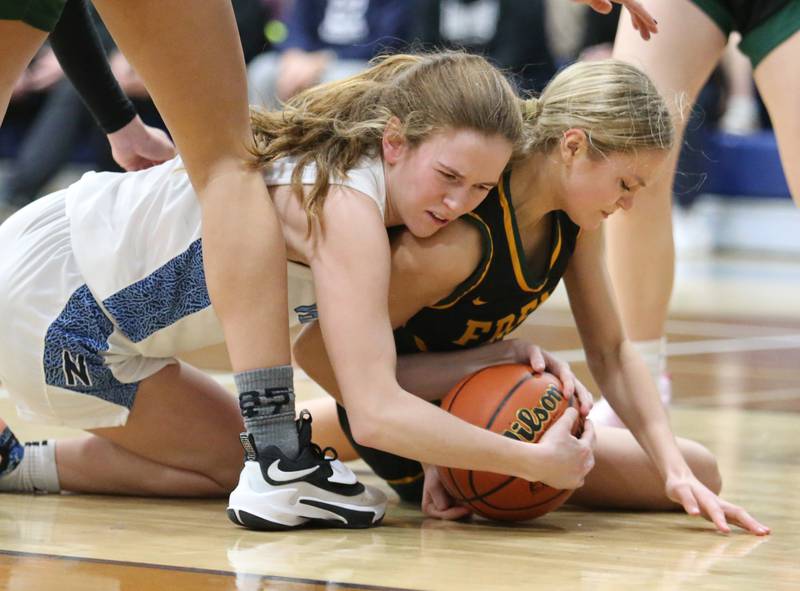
(322, 453)
(328, 454)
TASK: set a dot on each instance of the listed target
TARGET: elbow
(364, 432)
(598, 364)
(367, 428)
(602, 359)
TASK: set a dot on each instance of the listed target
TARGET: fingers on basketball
(512, 401)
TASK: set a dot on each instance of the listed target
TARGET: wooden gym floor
(734, 357)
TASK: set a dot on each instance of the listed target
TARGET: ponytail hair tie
(533, 108)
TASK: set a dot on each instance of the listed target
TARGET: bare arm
(423, 271)
(357, 328)
(615, 365)
(626, 383)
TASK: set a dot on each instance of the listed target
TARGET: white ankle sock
(36, 472)
(654, 353)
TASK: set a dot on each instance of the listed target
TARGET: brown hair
(334, 125)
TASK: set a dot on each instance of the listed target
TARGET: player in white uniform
(103, 286)
(132, 292)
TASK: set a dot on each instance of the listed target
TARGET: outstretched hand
(138, 146)
(697, 499)
(641, 19)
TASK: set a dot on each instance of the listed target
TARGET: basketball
(513, 401)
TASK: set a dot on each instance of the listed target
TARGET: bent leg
(19, 42)
(778, 80)
(181, 439)
(640, 249)
(624, 477)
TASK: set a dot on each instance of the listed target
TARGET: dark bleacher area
(11, 134)
(744, 166)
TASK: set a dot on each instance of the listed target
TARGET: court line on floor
(724, 329)
(203, 571)
(706, 347)
(779, 394)
(686, 327)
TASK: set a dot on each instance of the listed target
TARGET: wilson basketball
(513, 401)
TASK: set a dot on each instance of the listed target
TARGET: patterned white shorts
(60, 358)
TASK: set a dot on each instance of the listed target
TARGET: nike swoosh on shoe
(278, 475)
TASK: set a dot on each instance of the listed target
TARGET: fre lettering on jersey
(476, 330)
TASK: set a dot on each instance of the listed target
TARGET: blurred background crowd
(49, 137)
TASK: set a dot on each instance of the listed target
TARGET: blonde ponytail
(615, 103)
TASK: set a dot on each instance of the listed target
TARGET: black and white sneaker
(275, 492)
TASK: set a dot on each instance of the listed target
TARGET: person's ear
(393, 143)
(574, 143)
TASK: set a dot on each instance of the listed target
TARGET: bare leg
(181, 439)
(779, 82)
(18, 44)
(641, 253)
(624, 477)
(741, 106)
(190, 58)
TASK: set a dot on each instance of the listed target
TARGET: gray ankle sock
(266, 398)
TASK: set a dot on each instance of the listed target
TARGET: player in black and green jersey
(503, 290)
(454, 298)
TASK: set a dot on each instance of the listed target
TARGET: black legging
(405, 476)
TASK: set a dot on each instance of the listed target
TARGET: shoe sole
(254, 522)
(297, 505)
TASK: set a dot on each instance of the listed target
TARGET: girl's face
(593, 187)
(444, 177)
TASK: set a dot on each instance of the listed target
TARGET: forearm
(626, 383)
(431, 375)
(80, 52)
(399, 422)
(403, 424)
(428, 375)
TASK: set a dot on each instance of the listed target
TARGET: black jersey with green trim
(501, 292)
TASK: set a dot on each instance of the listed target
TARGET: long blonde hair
(615, 103)
(334, 125)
